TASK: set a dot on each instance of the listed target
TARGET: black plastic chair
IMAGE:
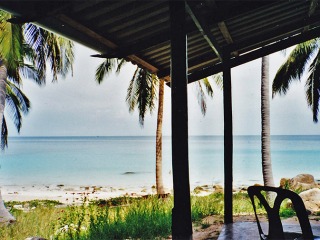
(275, 224)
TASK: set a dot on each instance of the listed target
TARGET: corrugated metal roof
(140, 30)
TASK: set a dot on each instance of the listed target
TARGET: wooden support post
(181, 213)
(228, 140)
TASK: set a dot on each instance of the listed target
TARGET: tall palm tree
(265, 125)
(141, 94)
(25, 49)
(304, 57)
(159, 180)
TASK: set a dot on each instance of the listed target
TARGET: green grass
(118, 218)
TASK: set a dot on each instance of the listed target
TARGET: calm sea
(130, 161)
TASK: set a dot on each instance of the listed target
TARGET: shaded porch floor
(249, 230)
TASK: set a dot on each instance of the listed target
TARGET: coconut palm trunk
(3, 77)
(159, 179)
(265, 124)
(5, 216)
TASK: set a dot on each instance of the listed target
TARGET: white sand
(76, 194)
(68, 194)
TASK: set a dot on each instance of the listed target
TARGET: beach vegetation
(286, 212)
(120, 218)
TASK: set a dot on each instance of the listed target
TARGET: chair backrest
(275, 225)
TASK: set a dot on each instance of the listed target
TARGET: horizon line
(205, 135)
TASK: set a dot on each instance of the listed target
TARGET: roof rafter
(140, 46)
(258, 53)
(204, 30)
(78, 26)
(286, 29)
(135, 48)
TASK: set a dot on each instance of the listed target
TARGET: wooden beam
(181, 213)
(225, 32)
(109, 44)
(142, 45)
(136, 47)
(227, 36)
(281, 31)
(228, 141)
(204, 30)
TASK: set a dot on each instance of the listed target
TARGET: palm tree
(265, 125)
(141, 94)
(25, 49)
(5, 215)
(304, 56)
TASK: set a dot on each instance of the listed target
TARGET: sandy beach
(68, 194)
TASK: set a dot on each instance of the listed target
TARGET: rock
(284, 183)
(311, 199)
(302, 182)
(218, 188)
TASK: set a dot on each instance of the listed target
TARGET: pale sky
(78, 106)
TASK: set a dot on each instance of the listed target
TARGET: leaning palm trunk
(265, 124)
(159, 180)
(5, 216)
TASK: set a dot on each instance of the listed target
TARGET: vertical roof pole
(181, 212)
(228, 139)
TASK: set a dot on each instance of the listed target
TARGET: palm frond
(154, 90)
(218, 79)
(13, 105)
(313, 87)
(121, 63)
(201, 94)
(201, 98)
(4, 134)
(50, 49)
(37, 53)
(30, 72)
(104, 69)
(24, 102)
(208, 87)
(17, 103)
(131, 97)
(294, 66)
(141, 93)
(11, 45)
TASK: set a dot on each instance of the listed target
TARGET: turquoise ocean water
(130, 161)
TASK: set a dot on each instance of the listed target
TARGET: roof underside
(139, 31)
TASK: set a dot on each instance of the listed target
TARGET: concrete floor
(249, 230)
